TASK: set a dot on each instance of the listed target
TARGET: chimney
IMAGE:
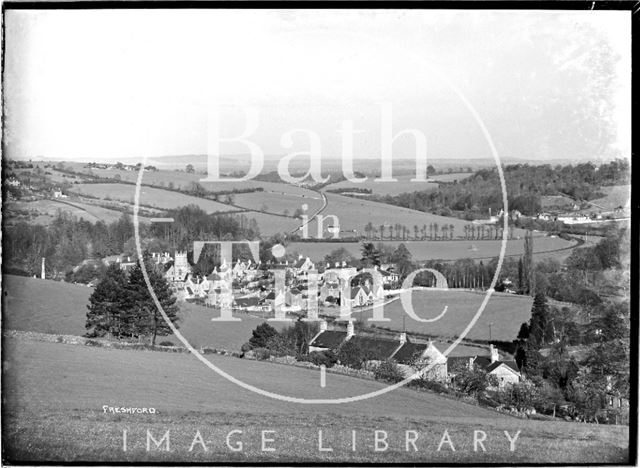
(494, 354)
(350, 329)
(403, 338)
(323, 325)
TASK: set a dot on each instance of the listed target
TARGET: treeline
(68, 241)
(525, 186)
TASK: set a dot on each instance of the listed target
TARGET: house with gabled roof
(409, 356)
(303, 266)
(412, 357)
(505, 370)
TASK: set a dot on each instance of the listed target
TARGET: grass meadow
(354, 214)
(182, 179)
(48, 209)
(61, 309)
(506, 312)
(442, 250)
(54, 396)
(279, 201)
(149, 196)
(402, 185)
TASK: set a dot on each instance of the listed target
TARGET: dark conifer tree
(106, 306)
(146, 318)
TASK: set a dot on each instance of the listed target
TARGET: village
(250, 287)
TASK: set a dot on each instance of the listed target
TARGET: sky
(112, 84)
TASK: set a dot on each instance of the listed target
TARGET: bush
(92, 343)
(352, 355)
(322, 358)
(166, 343)
(262, 354)
(246, 347)
(429, 385)
(388, 371)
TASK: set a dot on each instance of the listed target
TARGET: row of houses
(411, 356)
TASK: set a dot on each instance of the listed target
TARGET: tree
(431, 170)
(261, 335)
(402, 258)
(474, 381)
(338, 256)
(147, 319)
(523, 334)
(540, 323)
(106, 313)
(190, 169)
(370, 255)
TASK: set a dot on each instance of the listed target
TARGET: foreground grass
(54, 396)
(95, 436)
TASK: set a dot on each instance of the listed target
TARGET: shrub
(429, 385)
(92, 343)
(261, 354)
(388, 371)
(166, 343)
(246, 347)
(322, 358)
(352, 355)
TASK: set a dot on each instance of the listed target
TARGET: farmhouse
(506, 371)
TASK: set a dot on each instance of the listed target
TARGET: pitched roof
(510, 364)
(408, 352)
(300, 262)
(482, 361)
(354, 292)
(376, 348)
(330, 339)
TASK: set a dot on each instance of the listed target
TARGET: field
(280, 201)
(272, 224)
(157, 198)
(48, 209)
(54, 396)
(182, 179)
(506, 312)
(402, 185)
(617, 195)
(61, 308)
(354, 214)
(443, 250)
